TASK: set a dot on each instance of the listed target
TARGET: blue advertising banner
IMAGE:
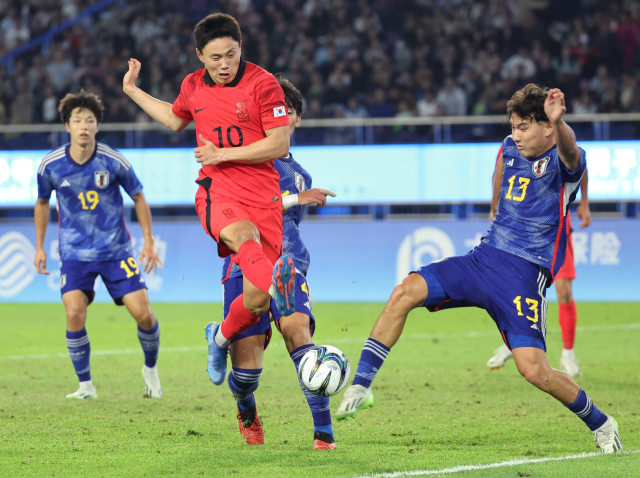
(350, 261)
(358, 174)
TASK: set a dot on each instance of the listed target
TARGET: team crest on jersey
(241, 110)
(300, 184)
(101, 179)
(540, 166)
(63, 280)
(279, 111)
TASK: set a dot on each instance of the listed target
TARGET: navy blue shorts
(303, 303)
(511, 289)
(231, 289)
(121, 277)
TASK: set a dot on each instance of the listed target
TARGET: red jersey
(233, 115)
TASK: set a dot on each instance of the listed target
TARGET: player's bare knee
(536, 374)
(405, 297)
(257, 306)
(145, 318)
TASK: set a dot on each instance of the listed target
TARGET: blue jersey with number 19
(535, 195)
(90, 208)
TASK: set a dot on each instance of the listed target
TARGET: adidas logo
(65, 184)
(510, 163)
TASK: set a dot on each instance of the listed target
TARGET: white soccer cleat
(152, 387)
(86, 390)
(569, 363)
(355, 398)
(502, 354)
(607, 437)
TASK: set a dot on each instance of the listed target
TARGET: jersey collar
(546, 153)
(243, 65)
(87, 162)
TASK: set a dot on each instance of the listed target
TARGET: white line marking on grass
(457, 469)
(483, 333)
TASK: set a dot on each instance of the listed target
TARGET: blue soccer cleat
(217, 360)
(284, 274)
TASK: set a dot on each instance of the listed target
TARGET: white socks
(220, 339)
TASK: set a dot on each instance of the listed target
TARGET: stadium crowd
(350, 58)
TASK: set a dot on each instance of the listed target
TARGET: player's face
(294, 120)
(531, 137)
(82, 126)
(221, 58)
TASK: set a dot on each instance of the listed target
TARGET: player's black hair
(81, 100)
(292, 94)
(216, 25)
(528, 102)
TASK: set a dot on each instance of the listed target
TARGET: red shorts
(217, 212)
(568, 269)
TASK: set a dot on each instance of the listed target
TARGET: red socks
(238, 320)
(568, 316)
(255, 265)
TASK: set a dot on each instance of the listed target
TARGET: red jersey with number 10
(233, 115)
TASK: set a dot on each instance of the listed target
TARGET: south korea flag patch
(279, 111)
(101, 178)
(540, 166)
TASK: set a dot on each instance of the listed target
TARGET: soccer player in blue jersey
(93, 239)
(297, 329)
(507, 274)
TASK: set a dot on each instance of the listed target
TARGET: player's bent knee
(536, 374)
(257, 306)
(407, 296)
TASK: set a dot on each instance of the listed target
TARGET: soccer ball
(324, 371)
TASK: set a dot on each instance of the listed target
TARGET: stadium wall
(350, 261)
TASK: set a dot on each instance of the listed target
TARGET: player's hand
(314, 196)
(149, 259)
(209, 154)
(41, 262)
(129, 81)
(584, 214)
(554, 105)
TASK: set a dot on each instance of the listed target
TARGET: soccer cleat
(355, 398)
(284, 273)
(217, 360)
(152, 387)
(86, 390)
(569, 364)
(502, 354)
(607, 437)
(250, 426)
(323, 441)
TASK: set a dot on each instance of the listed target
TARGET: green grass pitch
(436, 403)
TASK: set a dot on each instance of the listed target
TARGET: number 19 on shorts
(130, 266)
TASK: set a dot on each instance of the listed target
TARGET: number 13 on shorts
(533, 306)
(130, 266)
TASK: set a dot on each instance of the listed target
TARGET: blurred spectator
(60, 70)
(519, 65)
(427, 105)
(584, 105)
(452, 99)
(49, 106)
(354, 109)
(380, 106)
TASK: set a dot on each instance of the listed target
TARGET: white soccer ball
(324, 371)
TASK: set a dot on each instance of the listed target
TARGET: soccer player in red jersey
(567, 312)
(242, 126)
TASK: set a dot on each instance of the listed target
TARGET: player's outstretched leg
(75, 304)
(412, 293)
(500, 357)
(533, 365)
(284, 274)
(243, 380)
(139, 307)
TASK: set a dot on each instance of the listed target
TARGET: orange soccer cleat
(250, 426)
(323, 441)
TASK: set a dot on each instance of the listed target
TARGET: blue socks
(586, 411)
(79, 351)
(150, 341)
(319, 405)
(373, 355)
(243, 382)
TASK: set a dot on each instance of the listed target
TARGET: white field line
(457, 469)
(484, 333)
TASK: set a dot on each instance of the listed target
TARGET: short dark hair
(81, 100)
(292, 95)
(528, 102)
(216, 25)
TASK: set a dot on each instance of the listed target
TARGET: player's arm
(41, 219)
(275, 145)
(497, 181)
(159, 110)
(583, 209)
(568, 150)
(149, 258)
(306, 198)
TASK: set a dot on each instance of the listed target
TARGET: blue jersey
(535, 195)
(90, 209)
(294, 179)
